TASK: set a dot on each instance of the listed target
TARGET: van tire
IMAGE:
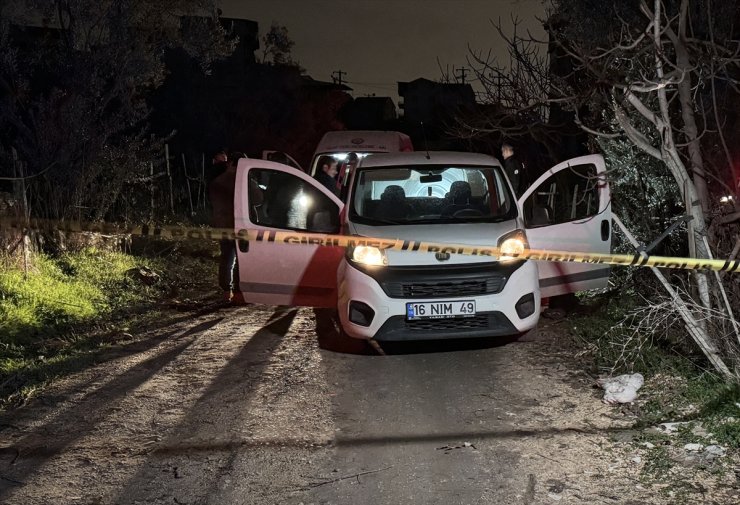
(332, 337)
(567, 302)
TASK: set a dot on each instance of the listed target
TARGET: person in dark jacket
(220, 163)
(221, 194)
(514, 169)
(327, 175)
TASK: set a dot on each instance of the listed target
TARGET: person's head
(507, 150)
(330, 167)
(234, 158)
(220, 158)
(352, 159)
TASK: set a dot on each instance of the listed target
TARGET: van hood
(480, 234)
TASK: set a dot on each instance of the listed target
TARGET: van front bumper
(377, 298)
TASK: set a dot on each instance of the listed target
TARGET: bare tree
(644, 74)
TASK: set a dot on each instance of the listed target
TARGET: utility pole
(337, 76)
(462, 71)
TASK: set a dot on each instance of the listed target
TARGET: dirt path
(241, 406)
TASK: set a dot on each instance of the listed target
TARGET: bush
(62, 292)
(625, 334)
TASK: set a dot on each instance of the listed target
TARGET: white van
(443, 197)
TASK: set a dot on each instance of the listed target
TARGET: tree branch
(635, 136)
(29, 176)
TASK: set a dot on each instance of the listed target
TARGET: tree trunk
(691, 131)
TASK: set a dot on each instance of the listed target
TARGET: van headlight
(367, 255)
(512, 245)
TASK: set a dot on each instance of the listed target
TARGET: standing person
(514, 169)
(221, 194)
(327, 175)
(220, 162)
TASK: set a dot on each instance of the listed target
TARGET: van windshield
(431, 194)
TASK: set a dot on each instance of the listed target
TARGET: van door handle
(605, 230)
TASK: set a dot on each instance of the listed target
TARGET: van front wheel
(332, 337)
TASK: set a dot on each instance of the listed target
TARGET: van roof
(362, 140)
(435, 158)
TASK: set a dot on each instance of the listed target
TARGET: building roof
(310, 82)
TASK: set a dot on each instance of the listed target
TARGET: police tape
(170, 232)
(318, 239)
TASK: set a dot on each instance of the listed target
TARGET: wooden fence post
(169, 176)
(202, 179)
(151, 191)
(18, 171)
(187, 183)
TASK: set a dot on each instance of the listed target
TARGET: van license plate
(440, 310)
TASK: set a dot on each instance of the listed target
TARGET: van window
(342, 158)
(431, 194)
(282, 200)
(569, 195)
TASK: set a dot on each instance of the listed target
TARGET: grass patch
(607, 327)
(55, 319)
(658, 463)
(60, 293)
(678, 386)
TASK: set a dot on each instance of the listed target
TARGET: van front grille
(480, 321)
(445, 288)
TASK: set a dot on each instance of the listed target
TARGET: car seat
(393, 203)
(540, 215)
(459, 196)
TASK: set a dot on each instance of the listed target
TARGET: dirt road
(240, 406)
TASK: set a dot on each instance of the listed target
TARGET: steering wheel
(467, 213)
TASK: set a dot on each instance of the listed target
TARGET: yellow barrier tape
(301, 238)
(155, 231)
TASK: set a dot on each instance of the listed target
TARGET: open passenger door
(274, 197)
(569, 209)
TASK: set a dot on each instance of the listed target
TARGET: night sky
(380, 42)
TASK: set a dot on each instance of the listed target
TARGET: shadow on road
(221, 407)
(34, 449)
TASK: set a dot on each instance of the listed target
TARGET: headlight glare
(368, 255)
(512, 245)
